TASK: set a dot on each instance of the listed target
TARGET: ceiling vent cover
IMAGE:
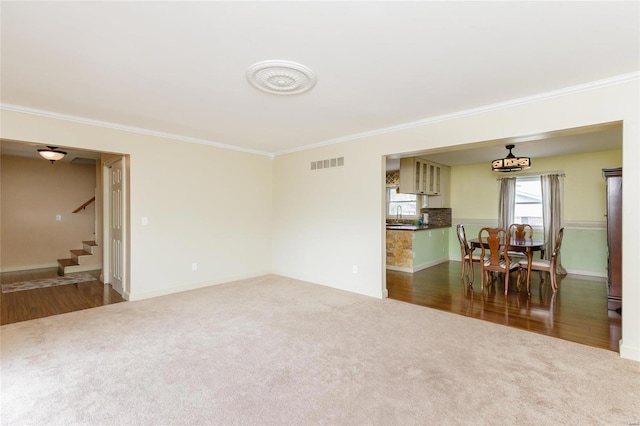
(281, 77)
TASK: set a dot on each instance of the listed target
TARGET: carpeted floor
(276, 351)
(47, 282)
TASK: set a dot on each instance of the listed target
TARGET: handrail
(84, 206)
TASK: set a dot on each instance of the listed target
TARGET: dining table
(526, 245)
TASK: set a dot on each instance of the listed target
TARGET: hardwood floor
(43, 302)
(577, 312)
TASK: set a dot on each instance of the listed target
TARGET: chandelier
(510, 163)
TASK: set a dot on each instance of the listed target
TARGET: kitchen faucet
(398, 213)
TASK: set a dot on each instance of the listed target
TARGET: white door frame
(106, 225)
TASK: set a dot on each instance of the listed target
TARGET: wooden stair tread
(67, 262)
(78, 258)
(80, 252)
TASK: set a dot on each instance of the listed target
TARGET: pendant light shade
(510, 163)
(52, 154)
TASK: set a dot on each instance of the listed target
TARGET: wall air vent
(327, 164)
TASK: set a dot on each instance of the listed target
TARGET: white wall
(323, 225)
(205, 204)
(330, 220)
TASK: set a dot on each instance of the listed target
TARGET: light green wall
(474, 194)
(430, 246)
(583, 251)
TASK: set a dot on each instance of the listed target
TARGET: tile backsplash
(438, 216)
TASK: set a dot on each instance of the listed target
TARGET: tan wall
(33, 192)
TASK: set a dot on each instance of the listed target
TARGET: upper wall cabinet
(419, 176)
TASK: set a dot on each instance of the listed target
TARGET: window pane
(528, 207)
(407, 203)
(401, 197)
(408, 209)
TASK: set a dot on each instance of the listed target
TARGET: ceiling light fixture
(510, 163)
(52, 154)
(281, 77)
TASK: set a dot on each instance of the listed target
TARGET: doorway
(37, 302)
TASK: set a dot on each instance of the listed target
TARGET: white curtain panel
(507, 206)
(552, 213)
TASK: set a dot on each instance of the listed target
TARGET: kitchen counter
(414, 227)
(410, 249)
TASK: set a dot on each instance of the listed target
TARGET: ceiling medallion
(281, 77)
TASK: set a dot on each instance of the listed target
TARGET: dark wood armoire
(613, 178)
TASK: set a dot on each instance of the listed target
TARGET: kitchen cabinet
(614, 236)
(413, 176)
(433, 180)
(443, 186)
(419, 176)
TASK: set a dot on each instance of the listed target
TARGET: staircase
(80, 260)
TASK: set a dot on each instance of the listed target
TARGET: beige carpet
(275, 351)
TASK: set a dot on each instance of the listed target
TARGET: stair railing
(86, 203)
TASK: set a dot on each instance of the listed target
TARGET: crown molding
(620, 79)
(625, 78)
(114, 126)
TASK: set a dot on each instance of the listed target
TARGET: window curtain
(507, 204)
(552, 214)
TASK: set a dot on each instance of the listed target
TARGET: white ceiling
(178, 68)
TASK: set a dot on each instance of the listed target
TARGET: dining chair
(519, 231)
(497, 259)
(544, 265)
(467, 255)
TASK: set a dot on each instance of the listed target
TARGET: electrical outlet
(194, 266)
(355, 269)
(58, 217)
(145, 220)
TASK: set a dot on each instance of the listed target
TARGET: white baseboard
(430, 264)
(629, 352)
(399, 268)
(81, 268)
(29, 267)
(587, 273)
(187, 287)
(418, 267)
